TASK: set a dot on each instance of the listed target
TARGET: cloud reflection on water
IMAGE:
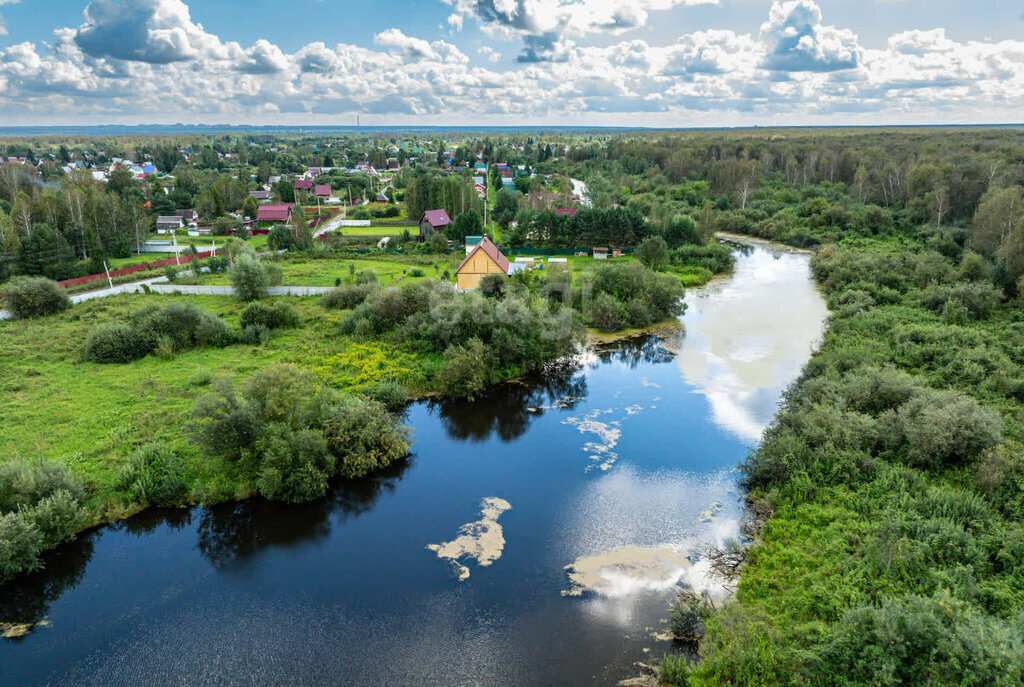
(749, 334)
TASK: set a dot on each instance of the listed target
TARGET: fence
(146, 266)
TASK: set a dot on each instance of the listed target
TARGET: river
(560, 516)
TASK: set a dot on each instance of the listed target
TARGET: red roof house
(431, 221)
(565, 211)
(323, 190)
(274, 213)
(303, 184)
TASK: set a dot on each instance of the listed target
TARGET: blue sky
(465, 62)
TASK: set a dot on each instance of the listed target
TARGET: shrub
(714, 257)
(286, 315)
(293, 436)
(279, 238)
(294, 464)
(171, 272)
(180, 326)
(662, 293)
(210, 330)
(999, 475)
(638, 313)
(390, 394)
(279, 316)
(917, 641)
(28, 297)
(20, 546)
(682, 229)
(366, 277)
(674, 669)
(653, 252)
(979, 299)
(152, 476)
(249, 277)
(285, 393)
(851, 302)
(176, 322)
(364, 437)
(56, 517)
(946, 428)
(275, 273)
(416, 272)
(742, 648)
(257, 314)
(973, 267)
(23, 484)
(608, 314)
(201, 378)
(256, 335)
(226, 424)
(466, 368)
(40, 506)
(114, 342)
(492, 285)
(216, 263)
(689, 613)
(346, 297)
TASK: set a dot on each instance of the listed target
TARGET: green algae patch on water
(627, 569)
(481, 539)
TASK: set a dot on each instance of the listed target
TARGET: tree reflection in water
(234, 531)
(510, 408)
(642, 349)
(25, 602)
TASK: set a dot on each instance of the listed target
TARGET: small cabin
(600, 254)
(484, 259)
(170, 223)
(433, 221)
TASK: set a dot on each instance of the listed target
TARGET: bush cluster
(280, 315)
(41, 505)
(170, 329)
(347, 297)
(714, 257)
(631, 295)
(514, 335)
(27, 297)
(290, 436)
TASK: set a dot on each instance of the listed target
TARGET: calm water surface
(612, 474)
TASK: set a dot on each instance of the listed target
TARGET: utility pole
(109, 280)
(177, 255)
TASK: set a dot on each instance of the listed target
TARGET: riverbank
(895, 478)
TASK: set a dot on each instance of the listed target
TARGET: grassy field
(93, 416)
(375, 230)
(302, 271)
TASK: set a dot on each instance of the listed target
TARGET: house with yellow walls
(485, 258)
